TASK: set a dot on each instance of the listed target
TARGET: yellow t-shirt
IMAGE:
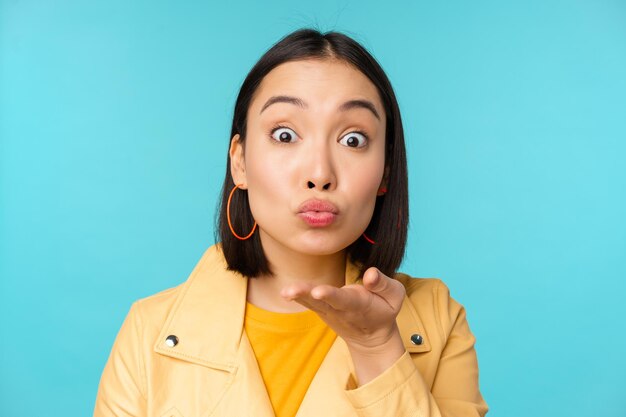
(289, 348)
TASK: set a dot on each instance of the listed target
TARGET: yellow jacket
(211, 369)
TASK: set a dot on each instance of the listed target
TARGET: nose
(311, 184)
(319, 171)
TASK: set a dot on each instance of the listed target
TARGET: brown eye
(354, 140)
(284, 135)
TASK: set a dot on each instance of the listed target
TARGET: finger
(318, 306)
(343, 299)
(301, 293)
(387, 288)
(296, 290)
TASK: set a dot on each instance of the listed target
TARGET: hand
(364, 316)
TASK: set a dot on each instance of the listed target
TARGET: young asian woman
(298, 309)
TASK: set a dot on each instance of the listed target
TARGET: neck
(290, 266)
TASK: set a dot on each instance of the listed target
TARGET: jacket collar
(208, 313)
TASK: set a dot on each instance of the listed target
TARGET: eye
(354, 139)
(283, 134)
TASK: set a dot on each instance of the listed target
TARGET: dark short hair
(389, 223)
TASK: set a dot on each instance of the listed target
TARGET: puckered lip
(315, 204)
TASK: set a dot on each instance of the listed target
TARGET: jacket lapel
(207, 317)
(247, 395)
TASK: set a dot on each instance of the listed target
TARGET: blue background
(114, 127)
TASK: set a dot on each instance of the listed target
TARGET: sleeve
(121, 391)
(401, 391)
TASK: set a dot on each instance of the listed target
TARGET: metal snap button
(417, 339)
(171, 340)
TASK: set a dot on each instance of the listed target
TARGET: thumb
(378, 283)
(374, 280)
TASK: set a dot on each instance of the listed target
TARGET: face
(315, 131)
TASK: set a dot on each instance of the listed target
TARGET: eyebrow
(350, 104)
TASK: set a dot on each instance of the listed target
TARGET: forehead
(322, 81)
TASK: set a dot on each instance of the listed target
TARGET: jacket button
(417, 339)
(171, 340)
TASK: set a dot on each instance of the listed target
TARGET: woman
(298, 308)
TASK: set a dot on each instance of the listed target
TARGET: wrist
(378, 343)
(371, 361)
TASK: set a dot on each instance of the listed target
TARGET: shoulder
(417, 284)
(421, 290)
(150, 312)
(432, 300)
(160, 300)
(153, 310)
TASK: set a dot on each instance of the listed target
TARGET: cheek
(268, 182)
(365, 177)
(362, 187)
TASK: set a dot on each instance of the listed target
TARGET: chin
(320, 246)
(313, 242)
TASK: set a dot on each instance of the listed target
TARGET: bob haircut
(389, 223)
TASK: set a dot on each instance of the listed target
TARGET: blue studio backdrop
(114, 129)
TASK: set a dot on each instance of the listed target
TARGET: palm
(362, 315)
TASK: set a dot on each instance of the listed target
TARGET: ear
(383, 182)
(237, 162)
